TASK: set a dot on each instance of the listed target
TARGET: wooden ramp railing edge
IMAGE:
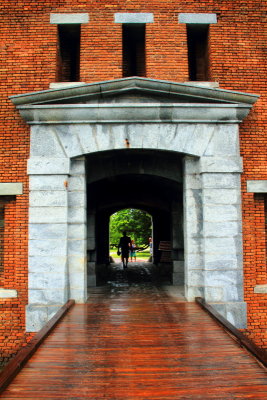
(16, 364)
(243, 340)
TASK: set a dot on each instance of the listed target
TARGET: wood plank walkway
(138, 342)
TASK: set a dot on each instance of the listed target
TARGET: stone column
(48, 238)
(177, 244)
(91, 250)
(77, 231)
(193, 230)
(222, 240)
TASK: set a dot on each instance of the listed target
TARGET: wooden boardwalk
(138, 342)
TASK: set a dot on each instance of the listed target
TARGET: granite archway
(198, 123)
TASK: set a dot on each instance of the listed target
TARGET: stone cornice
(133, 113)
(82, 93)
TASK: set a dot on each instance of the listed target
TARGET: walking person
(150, 246)
(133, 251)
(124, 248)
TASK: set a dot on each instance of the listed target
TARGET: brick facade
(237, 61)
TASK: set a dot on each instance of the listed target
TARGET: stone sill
(8, 293)
(62, 85)
(11, 188)
(257, 186)
(260, 289)
(205, 84)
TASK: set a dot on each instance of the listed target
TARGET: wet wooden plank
(136, 342)
(260, 354)
(17, 363)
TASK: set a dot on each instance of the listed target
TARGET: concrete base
(235, 312)
(178, 278)
(174, 291)
(178, 273)
(91, 274)
(38, 315)
(164, 272)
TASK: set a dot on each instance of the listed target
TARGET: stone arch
(134, 114)
(61, 142)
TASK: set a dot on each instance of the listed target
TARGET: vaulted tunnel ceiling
(134, 178)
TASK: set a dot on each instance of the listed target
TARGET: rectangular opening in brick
(198, 57)
(134, 57)
(69, 36)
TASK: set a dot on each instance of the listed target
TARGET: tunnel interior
(143, 179)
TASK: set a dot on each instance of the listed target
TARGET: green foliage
(136, 223)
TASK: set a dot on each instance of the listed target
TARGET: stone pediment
(134, 99)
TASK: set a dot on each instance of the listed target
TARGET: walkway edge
(16, 364)
(243, 340)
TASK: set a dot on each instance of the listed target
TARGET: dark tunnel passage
(148, 180)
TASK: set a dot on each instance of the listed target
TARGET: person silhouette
(133, 250)
(150, 246)
(124, 247)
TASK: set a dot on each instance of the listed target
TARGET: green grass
(143, 254)
(139, 254)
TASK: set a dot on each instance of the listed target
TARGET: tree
(137, 224)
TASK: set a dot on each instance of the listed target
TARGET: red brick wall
(13, 275)
(28, 63)
(2, 213)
